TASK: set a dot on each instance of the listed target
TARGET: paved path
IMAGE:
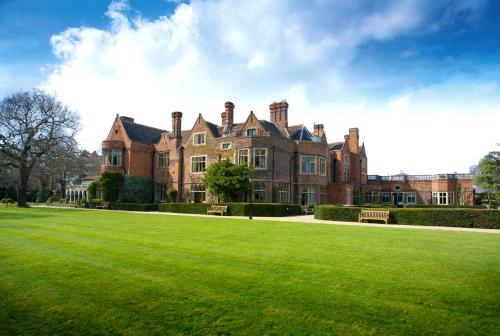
(308, 219)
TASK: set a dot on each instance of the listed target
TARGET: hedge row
(125, 206)
(133, 206)
(236, 209)
(469, 218)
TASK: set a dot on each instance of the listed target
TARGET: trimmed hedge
(192, 208)
(236, 209)
(263, 209)
(133, 206)
(469, 218)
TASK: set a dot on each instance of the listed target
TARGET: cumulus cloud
(254, 52)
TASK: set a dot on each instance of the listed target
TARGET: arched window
(308, 196)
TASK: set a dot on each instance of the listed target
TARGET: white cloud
(255, 52)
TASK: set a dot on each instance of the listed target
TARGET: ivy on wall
(111, 184)
(137, 189)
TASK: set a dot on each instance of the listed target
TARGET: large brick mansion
(292, 164)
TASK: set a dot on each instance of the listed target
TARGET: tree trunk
(62, 184)
(22, 187)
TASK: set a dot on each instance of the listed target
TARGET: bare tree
(32, 123)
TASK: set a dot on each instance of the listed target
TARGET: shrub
(470, 218)
(111, 184)
(133, 206)
(172, 195)
(137, 189)
(337, 213)
(92, 190)
(42, 196)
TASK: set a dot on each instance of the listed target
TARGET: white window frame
(283, 191)
(413, 196)
(198, 156)
(204, 138)
(311, 163)
(255, 158)
(322, 165)
(109, 155)
(251, 129)
(225, 143)
(194, 190)
(247, 156)
(388, 194)
(442, 198)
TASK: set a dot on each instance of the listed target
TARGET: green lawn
(65, 271)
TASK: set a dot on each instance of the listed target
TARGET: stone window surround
(162, 159)
(251, 132)
(443, 198)
(198, 156)
(312, 164)
(196, 137)
(112, 157)
(254, 150)
(322, 163)
(225, 143)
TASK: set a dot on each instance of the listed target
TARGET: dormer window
(251, 132)
(198, 139)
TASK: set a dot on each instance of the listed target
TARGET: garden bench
(103, 205)
(217, 209)
(382, 215)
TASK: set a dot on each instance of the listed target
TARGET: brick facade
(292, 165)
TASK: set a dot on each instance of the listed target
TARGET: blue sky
(420, 78)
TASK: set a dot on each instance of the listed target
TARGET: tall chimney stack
(319, 130)
(354, 140)
(177, 124)
(228, 114)
(279, 113)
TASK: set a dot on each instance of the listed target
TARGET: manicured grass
(66, 271)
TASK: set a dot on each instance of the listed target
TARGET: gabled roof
(271, 127)
(299, 133)
(141, 133)
(336, 145)
(362, 150)
(214, 128)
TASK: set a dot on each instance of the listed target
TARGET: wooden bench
(217, 209)
(381, 215)
(103, 205)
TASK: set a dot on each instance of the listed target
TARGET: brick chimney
(228, 115)
(354, 140)
(319, 130)
(176, 124)
(279, 113)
